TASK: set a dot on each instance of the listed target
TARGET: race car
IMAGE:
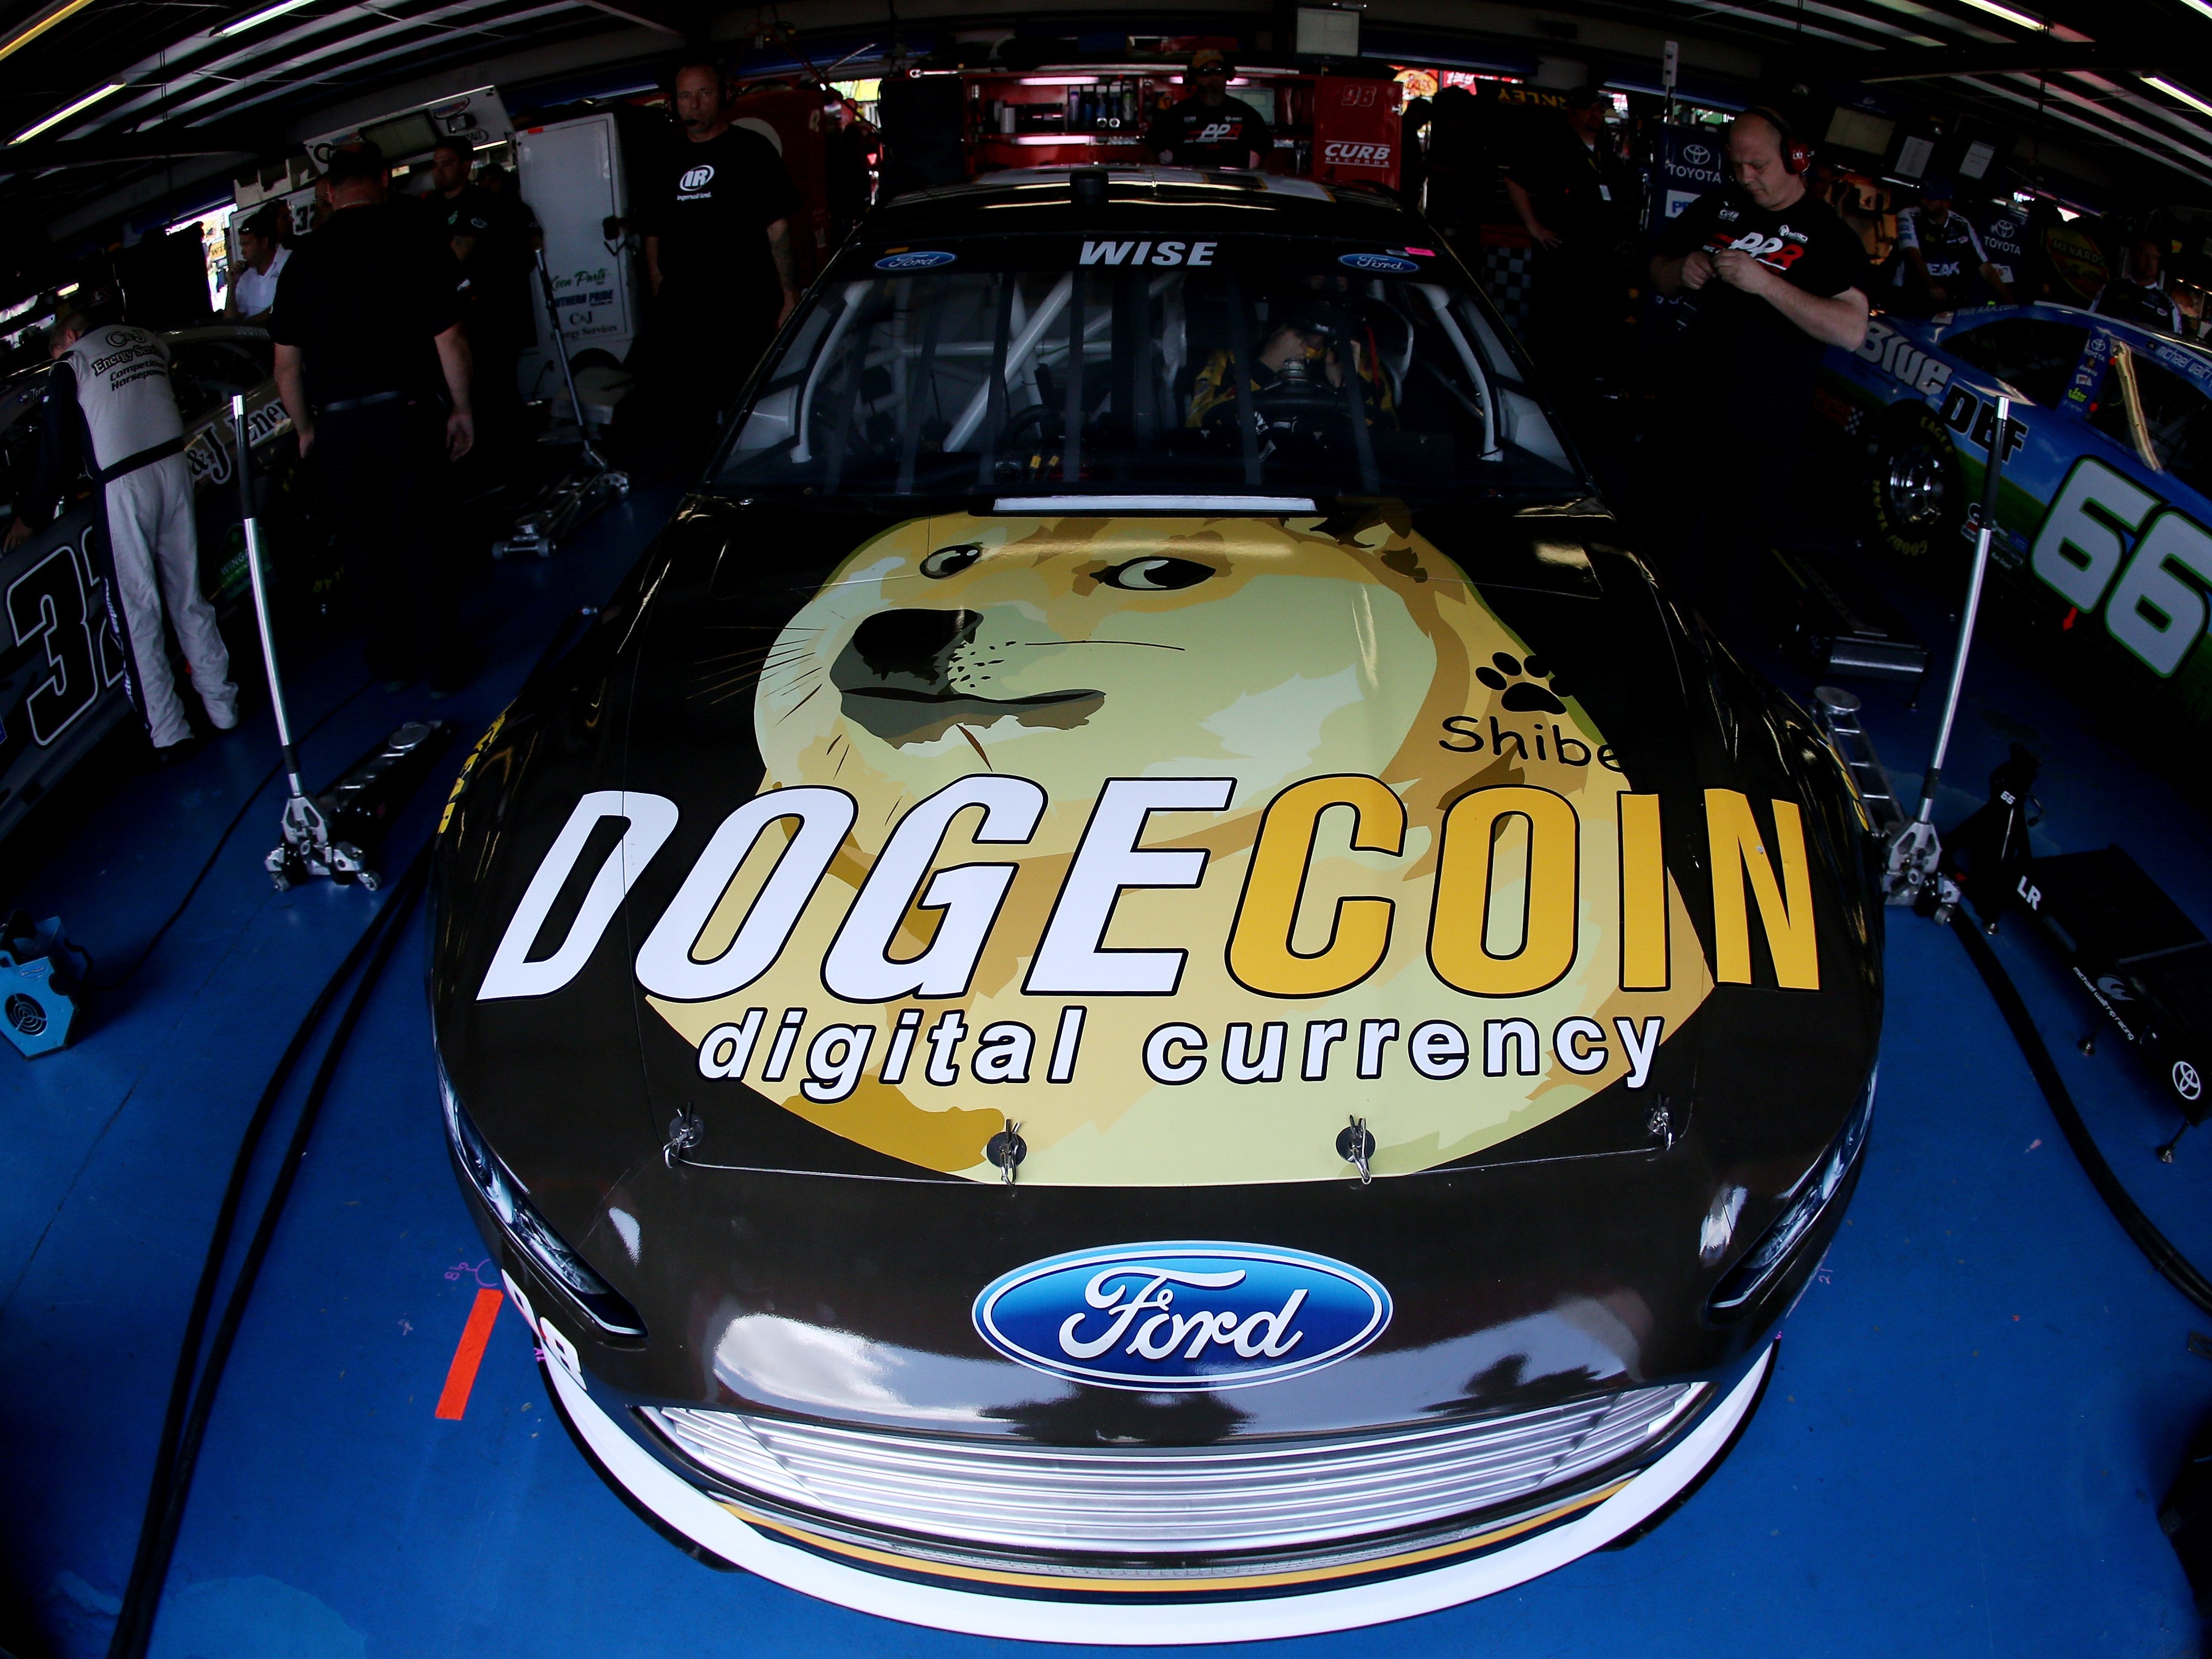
(1138, 988)
(61, 663)
(2102, 540)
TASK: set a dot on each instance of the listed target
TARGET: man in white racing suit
(110, 409)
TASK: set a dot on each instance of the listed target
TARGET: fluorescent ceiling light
(252, 17)
(39, 25)
(2179, 94)
(66, 111)
(2020, 18)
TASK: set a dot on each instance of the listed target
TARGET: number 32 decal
(53, 602)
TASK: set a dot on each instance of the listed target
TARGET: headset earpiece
(1796, 154)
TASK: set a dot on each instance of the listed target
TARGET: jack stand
(1911, 869)
(558, 509)
(307, 847)
(1912, 872)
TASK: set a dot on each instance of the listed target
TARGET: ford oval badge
(920, 258)
(1382, 264)
(1182, 1317)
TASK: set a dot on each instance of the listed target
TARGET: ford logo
(1184, 1316)
(920, 259)
(1387, 264)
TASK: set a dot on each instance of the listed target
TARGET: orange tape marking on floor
(461, 1375)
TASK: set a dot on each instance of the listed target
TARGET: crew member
(1574, 197)
(1939, 256)
(1209, 130)
(373, 365)
(1778, 278)
(262, 257)
(2140, 296)
(719, 257)
(482, 231)
(462, 209)
(109, 407)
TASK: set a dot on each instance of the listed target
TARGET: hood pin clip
(1355, 1145)
(1007, 1149)
(683, 1135)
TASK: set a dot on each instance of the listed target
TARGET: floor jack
(558, 509)
(1913, 870)
(322, 833)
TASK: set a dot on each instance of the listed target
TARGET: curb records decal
(1381, 265)
(917, 259)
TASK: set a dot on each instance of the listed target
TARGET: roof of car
(1041, 199)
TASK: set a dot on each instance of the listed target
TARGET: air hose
(185, 1425)
(2179, 1271)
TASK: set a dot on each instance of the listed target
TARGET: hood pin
(1007, 1149)
(683, 1135)
(1355, 1145)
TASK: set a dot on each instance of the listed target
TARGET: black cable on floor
(185, 1425)
(2179, 1271)
(216, 852)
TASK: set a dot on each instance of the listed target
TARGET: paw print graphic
(1523, 695)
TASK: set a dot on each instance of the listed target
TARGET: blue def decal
(921, 259)
(1180, 1316)
(1384, 265)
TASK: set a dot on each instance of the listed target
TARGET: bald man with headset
(1775, 277)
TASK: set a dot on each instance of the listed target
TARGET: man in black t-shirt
(1209, 130)
(1777, 278)
(1574, 196)
(718, 255)
(373, 365)
(474, 228)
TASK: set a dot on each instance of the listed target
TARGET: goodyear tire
(1916, 499)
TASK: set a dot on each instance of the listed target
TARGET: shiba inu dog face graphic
(1179, 842)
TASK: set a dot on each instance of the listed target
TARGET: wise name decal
(1042, 838)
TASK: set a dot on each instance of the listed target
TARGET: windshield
(1054, 365)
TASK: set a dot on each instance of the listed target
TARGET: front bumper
(943, 1591)
(970, 1602)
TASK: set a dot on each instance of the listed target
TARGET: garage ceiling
(106, 104)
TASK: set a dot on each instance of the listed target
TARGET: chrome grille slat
(1147, 1500)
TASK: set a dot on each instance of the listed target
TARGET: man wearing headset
(1778, 277)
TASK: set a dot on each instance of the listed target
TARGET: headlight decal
(530, 1232)
(1760, 1264)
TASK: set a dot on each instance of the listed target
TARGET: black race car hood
(1159, 867)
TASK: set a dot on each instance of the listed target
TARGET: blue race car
(2102, 546)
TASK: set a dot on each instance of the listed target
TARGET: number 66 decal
(2153, 609)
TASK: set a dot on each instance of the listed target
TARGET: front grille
(1171, 1500)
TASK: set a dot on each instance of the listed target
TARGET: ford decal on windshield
(1182, 1317)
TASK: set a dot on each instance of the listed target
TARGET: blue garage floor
(1978, 1403)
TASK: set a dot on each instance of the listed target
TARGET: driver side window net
(1054, 381)
(2159, 415)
